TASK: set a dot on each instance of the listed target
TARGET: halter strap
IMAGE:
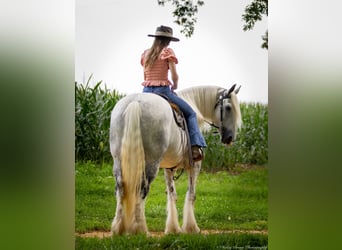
(220, 102)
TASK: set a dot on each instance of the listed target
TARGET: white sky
(112, 34)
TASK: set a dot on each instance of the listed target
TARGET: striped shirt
(157, 74)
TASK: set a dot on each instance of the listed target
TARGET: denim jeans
(196, 137)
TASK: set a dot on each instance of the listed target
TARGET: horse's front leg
(189, 221)
(172, 225)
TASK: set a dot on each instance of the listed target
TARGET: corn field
(93, 106)
(250, 146)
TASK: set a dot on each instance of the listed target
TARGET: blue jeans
(196, 137)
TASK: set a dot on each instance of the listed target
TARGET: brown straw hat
(164, 31)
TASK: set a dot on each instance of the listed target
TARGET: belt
(157, 86)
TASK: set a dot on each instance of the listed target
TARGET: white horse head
(217, 106)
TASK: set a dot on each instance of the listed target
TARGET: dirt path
(104, 234)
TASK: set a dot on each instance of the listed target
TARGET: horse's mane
(203, 99)
(236, 109)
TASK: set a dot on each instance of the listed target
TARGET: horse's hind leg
(189, 221)
(118, 221)
(172, 225)
(139, 223)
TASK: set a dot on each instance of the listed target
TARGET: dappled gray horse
(144, 137)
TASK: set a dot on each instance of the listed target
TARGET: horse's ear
(231, 90)
(237, 90)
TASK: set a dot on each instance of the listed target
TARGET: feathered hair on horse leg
(172, 225)
(189, 221)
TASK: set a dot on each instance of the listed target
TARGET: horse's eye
(228, 108)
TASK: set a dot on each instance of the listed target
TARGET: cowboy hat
(164, 31)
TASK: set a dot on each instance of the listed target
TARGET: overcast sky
(112, 34)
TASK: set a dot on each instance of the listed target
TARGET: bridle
(223, 95)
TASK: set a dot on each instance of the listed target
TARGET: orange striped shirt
(157, 74)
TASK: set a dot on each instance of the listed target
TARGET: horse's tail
(132, 160)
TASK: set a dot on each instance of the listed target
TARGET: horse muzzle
(227, 136)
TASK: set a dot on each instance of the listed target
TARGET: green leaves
(93, 108)
(254, 13)
(264, 45)
(185, 13)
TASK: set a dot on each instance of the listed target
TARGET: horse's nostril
(227, 140)
(227, 136)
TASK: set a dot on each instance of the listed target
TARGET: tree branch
(185, 13)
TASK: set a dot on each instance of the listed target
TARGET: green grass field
(205, 242)
(234, 200)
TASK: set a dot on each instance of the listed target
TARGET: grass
(94, 198)
(235, 200)
(219, 241)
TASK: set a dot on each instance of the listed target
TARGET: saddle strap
(191, 161)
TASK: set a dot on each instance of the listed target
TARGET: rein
(212, 124)
(180, 174)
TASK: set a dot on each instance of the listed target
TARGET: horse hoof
(192, 230)
(117, 229)
(173, 231)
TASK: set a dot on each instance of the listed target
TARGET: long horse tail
(132, 161)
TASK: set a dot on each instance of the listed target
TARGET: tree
(185, 12)
(253, 13)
